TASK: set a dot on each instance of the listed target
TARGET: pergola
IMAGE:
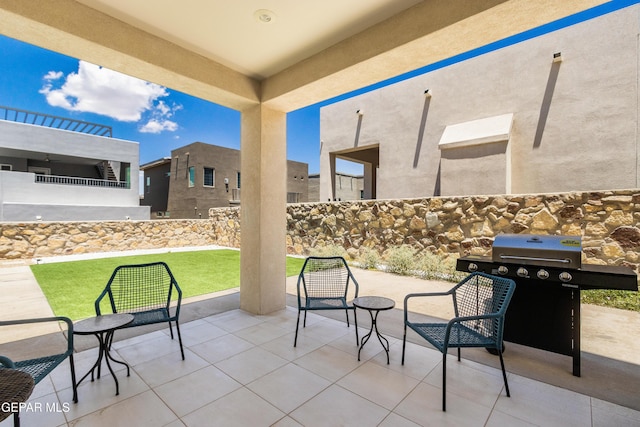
(393, 38)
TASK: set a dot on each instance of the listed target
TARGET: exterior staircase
(106, 171)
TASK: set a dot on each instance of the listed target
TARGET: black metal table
(103, 327)
(374, 305)
(16, 389)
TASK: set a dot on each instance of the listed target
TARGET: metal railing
(86, 182)
(47, 120)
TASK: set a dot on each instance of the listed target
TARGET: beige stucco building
(200, 176)
(555, 113)
(347, 187)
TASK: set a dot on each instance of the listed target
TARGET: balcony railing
(47, 120)
(86, 182)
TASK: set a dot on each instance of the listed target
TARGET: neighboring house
(156, 181)
(58, 169)
(200, 176)
(554, 113)
(347, 187)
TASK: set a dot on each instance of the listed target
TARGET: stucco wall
(608, 221)
(574, 122)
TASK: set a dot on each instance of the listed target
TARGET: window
(39, 171)
(5, 167)
(238, 180)
(192, 176)
(209, 177)
(148, 181)
(293, 197)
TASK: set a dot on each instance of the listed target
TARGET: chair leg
(504, 374)
(295, 340)
(355, 324)
(179, 339)
(16, 419)
(444, 381)
(73, 379)
(170, 329)
(458, 354)
(404, 342)
(346, 310)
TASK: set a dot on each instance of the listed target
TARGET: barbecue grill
(545, 310)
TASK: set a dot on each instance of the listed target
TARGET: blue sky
(162, 119)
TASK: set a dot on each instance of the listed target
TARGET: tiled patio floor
(242, 370)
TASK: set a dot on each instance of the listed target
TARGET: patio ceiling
(310, 51)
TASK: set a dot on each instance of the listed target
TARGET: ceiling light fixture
(264, 16)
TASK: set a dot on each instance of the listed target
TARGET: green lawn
(72, 287)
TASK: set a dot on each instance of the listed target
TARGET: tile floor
(242, 370)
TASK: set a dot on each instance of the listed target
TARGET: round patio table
(374, 305)
(16, 389)
(103, 328)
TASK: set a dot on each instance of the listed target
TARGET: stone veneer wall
(609, 222)
(43, 239)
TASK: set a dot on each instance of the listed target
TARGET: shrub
(438, 267)
(401, 260)
(328, 250)
(368, 258)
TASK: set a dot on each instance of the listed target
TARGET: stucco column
(370, 177)
(263, 158)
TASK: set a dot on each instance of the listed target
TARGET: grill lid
(529, 249)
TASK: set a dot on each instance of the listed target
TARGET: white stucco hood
(482, 131)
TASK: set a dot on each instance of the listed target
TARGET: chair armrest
(355, 283)
(43, 320)
(179, 302)
(420, 295)
(300, 278)
(7, 363)
(98, 300)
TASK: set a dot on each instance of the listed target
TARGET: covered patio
(240, 366)
(266, 63)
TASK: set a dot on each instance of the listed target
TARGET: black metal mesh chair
(145, 291)
(16, 389)
(41, 366)
(480, 302)
(323, 284)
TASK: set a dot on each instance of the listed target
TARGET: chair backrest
(140, 287)
(326, 277)
(481, 294)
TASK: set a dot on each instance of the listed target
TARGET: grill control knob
(565, 276)
(543, 274)
(522, 272)
(473, 267)
(503, 270)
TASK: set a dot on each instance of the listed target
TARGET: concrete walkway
(610, 337)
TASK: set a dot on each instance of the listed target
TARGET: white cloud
(155, 126)
(53, 75)
(159, 120)
(94, 89)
